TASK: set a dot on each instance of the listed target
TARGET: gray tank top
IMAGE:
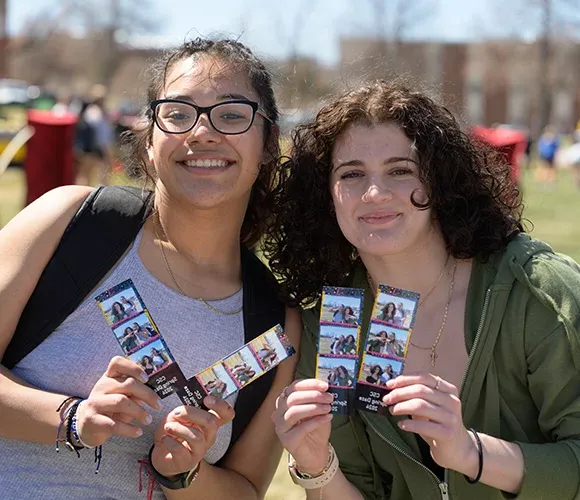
(74, 357)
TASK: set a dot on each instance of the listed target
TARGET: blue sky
(268, 26)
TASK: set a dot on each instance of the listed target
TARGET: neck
(417, 270)
(208, 239)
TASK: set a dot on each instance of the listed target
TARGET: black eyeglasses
(230, 117)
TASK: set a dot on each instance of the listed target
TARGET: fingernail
(390, 383)
(210, 400)
(144, 377)
(148, 419)
(139, 432)
(159, 404)
(177, 412)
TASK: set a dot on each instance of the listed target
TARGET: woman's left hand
(435, 410)
(186, 434)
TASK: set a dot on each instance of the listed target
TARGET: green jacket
(522, 384)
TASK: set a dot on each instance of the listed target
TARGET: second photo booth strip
(361, 383)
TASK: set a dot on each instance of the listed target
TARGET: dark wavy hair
(134, 143)
(468, 185)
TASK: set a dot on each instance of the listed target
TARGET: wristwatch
(181, 481)
(308, 481)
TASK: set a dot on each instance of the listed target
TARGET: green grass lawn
(553, 215)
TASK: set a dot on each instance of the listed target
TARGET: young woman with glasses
(210, 147)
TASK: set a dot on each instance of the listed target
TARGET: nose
(377, 192)
(203, 132)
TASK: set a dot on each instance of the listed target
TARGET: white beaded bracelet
(309, 482)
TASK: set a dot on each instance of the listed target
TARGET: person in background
(95, 139)
(548, 145)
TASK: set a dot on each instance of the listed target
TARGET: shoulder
(48, 215)
(546, 289)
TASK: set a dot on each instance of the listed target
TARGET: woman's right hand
(114, 404)
(302, 421)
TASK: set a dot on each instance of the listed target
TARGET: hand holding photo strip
(338, 343)
(139, 337)
(143, 343)
(386, 346)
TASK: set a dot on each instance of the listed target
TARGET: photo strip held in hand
(238, 369)
(386, 346)
(143, 343)
(338, 343)
(139, 337)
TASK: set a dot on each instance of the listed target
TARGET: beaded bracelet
(71, 432)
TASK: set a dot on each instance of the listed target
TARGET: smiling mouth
(206, 163)
(379, 219)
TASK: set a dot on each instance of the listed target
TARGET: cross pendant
(434, 356)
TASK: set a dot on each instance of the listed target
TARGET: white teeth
(205, 163)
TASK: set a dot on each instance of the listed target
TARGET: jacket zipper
(476, 340)
(443, 485)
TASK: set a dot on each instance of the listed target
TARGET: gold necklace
(170, 272)
(423, 299)
(433, 347)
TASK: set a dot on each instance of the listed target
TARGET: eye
(353, 174)
(398, 171)
(231, 116)
(175, 116)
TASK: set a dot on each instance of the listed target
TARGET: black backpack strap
(95, 239)
(262, 310)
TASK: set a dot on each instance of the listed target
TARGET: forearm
(503, 464)
(215, 482)
(339, 487)
(28, 413)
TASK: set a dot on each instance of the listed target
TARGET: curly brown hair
(468, 185)
(134, 143)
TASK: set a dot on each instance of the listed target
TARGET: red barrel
(510, 143)
(49, 159)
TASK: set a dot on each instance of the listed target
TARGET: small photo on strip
(338, 340)
(387, 340)
(217, 382)
(153, 357)
(341, 306)
(136, 333)
(395, 306)
(120, 303)
(243, 366)
(378, 370)
(338, 372)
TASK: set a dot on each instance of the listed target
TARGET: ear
(271, 145)
(150, 154)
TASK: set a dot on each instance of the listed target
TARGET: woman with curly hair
(385, 187)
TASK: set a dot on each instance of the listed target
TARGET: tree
(550, 24)
(102, 26)
(394, 19)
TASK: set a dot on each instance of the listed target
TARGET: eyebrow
(221, 97)
(388, 161)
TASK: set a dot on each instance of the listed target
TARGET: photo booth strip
(238, 369)
(338, 343)
(122, 307)
(139, 337)
(385, 350)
